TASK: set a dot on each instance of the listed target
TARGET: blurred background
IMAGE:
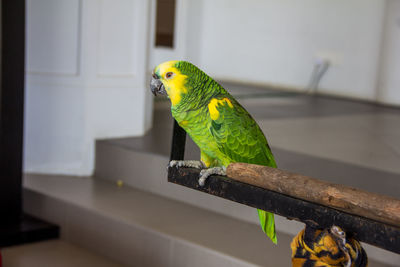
(322, 78)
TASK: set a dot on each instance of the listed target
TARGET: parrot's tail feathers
(268, 224)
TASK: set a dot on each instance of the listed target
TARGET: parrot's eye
(169, 75)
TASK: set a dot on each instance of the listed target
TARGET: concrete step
(137, 228)
(141, 162)
(147, 171)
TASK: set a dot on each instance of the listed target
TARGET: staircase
(128, 212)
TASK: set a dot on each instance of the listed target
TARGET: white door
(86, 79)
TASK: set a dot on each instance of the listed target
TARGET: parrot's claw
(187, 163)
(205, 173)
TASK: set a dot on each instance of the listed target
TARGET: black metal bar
(11, 109)
(178, 143)
(375, 233)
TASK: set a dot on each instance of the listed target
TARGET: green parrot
(224, 131)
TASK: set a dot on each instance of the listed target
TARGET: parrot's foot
(187, 163)
(204, 174)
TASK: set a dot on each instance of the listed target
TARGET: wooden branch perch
(351, 200)
(376, 233)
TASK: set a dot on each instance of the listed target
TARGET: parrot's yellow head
(184, 83)
(168, 79)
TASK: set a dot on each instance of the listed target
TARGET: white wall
(389, 80)
(279, 41)
(86, 79)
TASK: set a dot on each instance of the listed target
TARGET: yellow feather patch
(175, 86)
(214, 103)
(183, 123)
(206, 162)
(206, 159)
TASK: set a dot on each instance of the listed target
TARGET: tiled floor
(53, 253)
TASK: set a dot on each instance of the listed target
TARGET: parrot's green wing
(239, 137)
(237, 134)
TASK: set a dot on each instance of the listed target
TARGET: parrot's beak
(156, 86)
